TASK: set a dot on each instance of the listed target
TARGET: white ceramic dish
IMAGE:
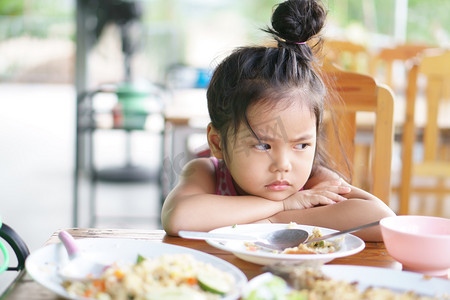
(349, 245)
(395, 280)
(42, 264)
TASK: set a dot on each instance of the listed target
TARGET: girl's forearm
(205, 212)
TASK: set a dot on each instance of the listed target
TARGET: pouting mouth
(279, 183)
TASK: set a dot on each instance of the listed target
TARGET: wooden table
(374, 254)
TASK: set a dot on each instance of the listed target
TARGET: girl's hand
(324, 193)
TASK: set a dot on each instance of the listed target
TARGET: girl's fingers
(326, 199)
(314, 197)
(344, 189)
(340, 183)
(337, 197)
(330, 197)
(338, 189)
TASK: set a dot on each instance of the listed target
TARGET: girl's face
(281, 165)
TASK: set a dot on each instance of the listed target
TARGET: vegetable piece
(297, 295)
(119, 274)
(275, 288)
(140, 258)
(191, 280)
(88, 293)
(214, 284)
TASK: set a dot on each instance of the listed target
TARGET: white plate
(350, 244)
(42, 265)
(395, 280)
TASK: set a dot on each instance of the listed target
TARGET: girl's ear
(214, 141)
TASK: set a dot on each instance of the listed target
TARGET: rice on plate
(174, 276)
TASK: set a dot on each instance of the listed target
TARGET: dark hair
(271, 74)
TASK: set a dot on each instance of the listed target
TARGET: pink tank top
(224, 182)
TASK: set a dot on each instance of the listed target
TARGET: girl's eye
(262, 147)
(301, 146)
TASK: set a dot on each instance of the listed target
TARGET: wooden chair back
(434, 67)
(386, 58)
(347, 55)
(352, 93)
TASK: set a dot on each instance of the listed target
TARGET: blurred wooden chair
(347, 55)
(382, 64)
(433, 70)
(352, 93)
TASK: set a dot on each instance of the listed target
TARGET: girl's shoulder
(198, 175)
(198, 169)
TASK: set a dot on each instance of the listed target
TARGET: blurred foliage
(169, 23)
(378, 16)
(426, 15)
(38, 18)
(11, 8)
(37, 7)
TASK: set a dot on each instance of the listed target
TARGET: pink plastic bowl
(419, 243)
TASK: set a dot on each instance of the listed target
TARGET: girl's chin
(276, 196)
(270, 194)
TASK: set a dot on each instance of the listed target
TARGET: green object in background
(132, 101)
(5, 264)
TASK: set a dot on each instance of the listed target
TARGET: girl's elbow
(385, 211)
(170, 231)
(173, 221)
(168, 222)
(170, 227)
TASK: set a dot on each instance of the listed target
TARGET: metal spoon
(275, 240)
(80, 266)
(327, 236)
(317, 239)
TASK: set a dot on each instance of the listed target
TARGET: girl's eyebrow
(306, 136)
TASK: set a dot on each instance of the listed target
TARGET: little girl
(267, 164)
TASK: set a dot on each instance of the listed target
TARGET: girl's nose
(280, 162)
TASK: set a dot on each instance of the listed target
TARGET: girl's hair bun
(296, 21)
